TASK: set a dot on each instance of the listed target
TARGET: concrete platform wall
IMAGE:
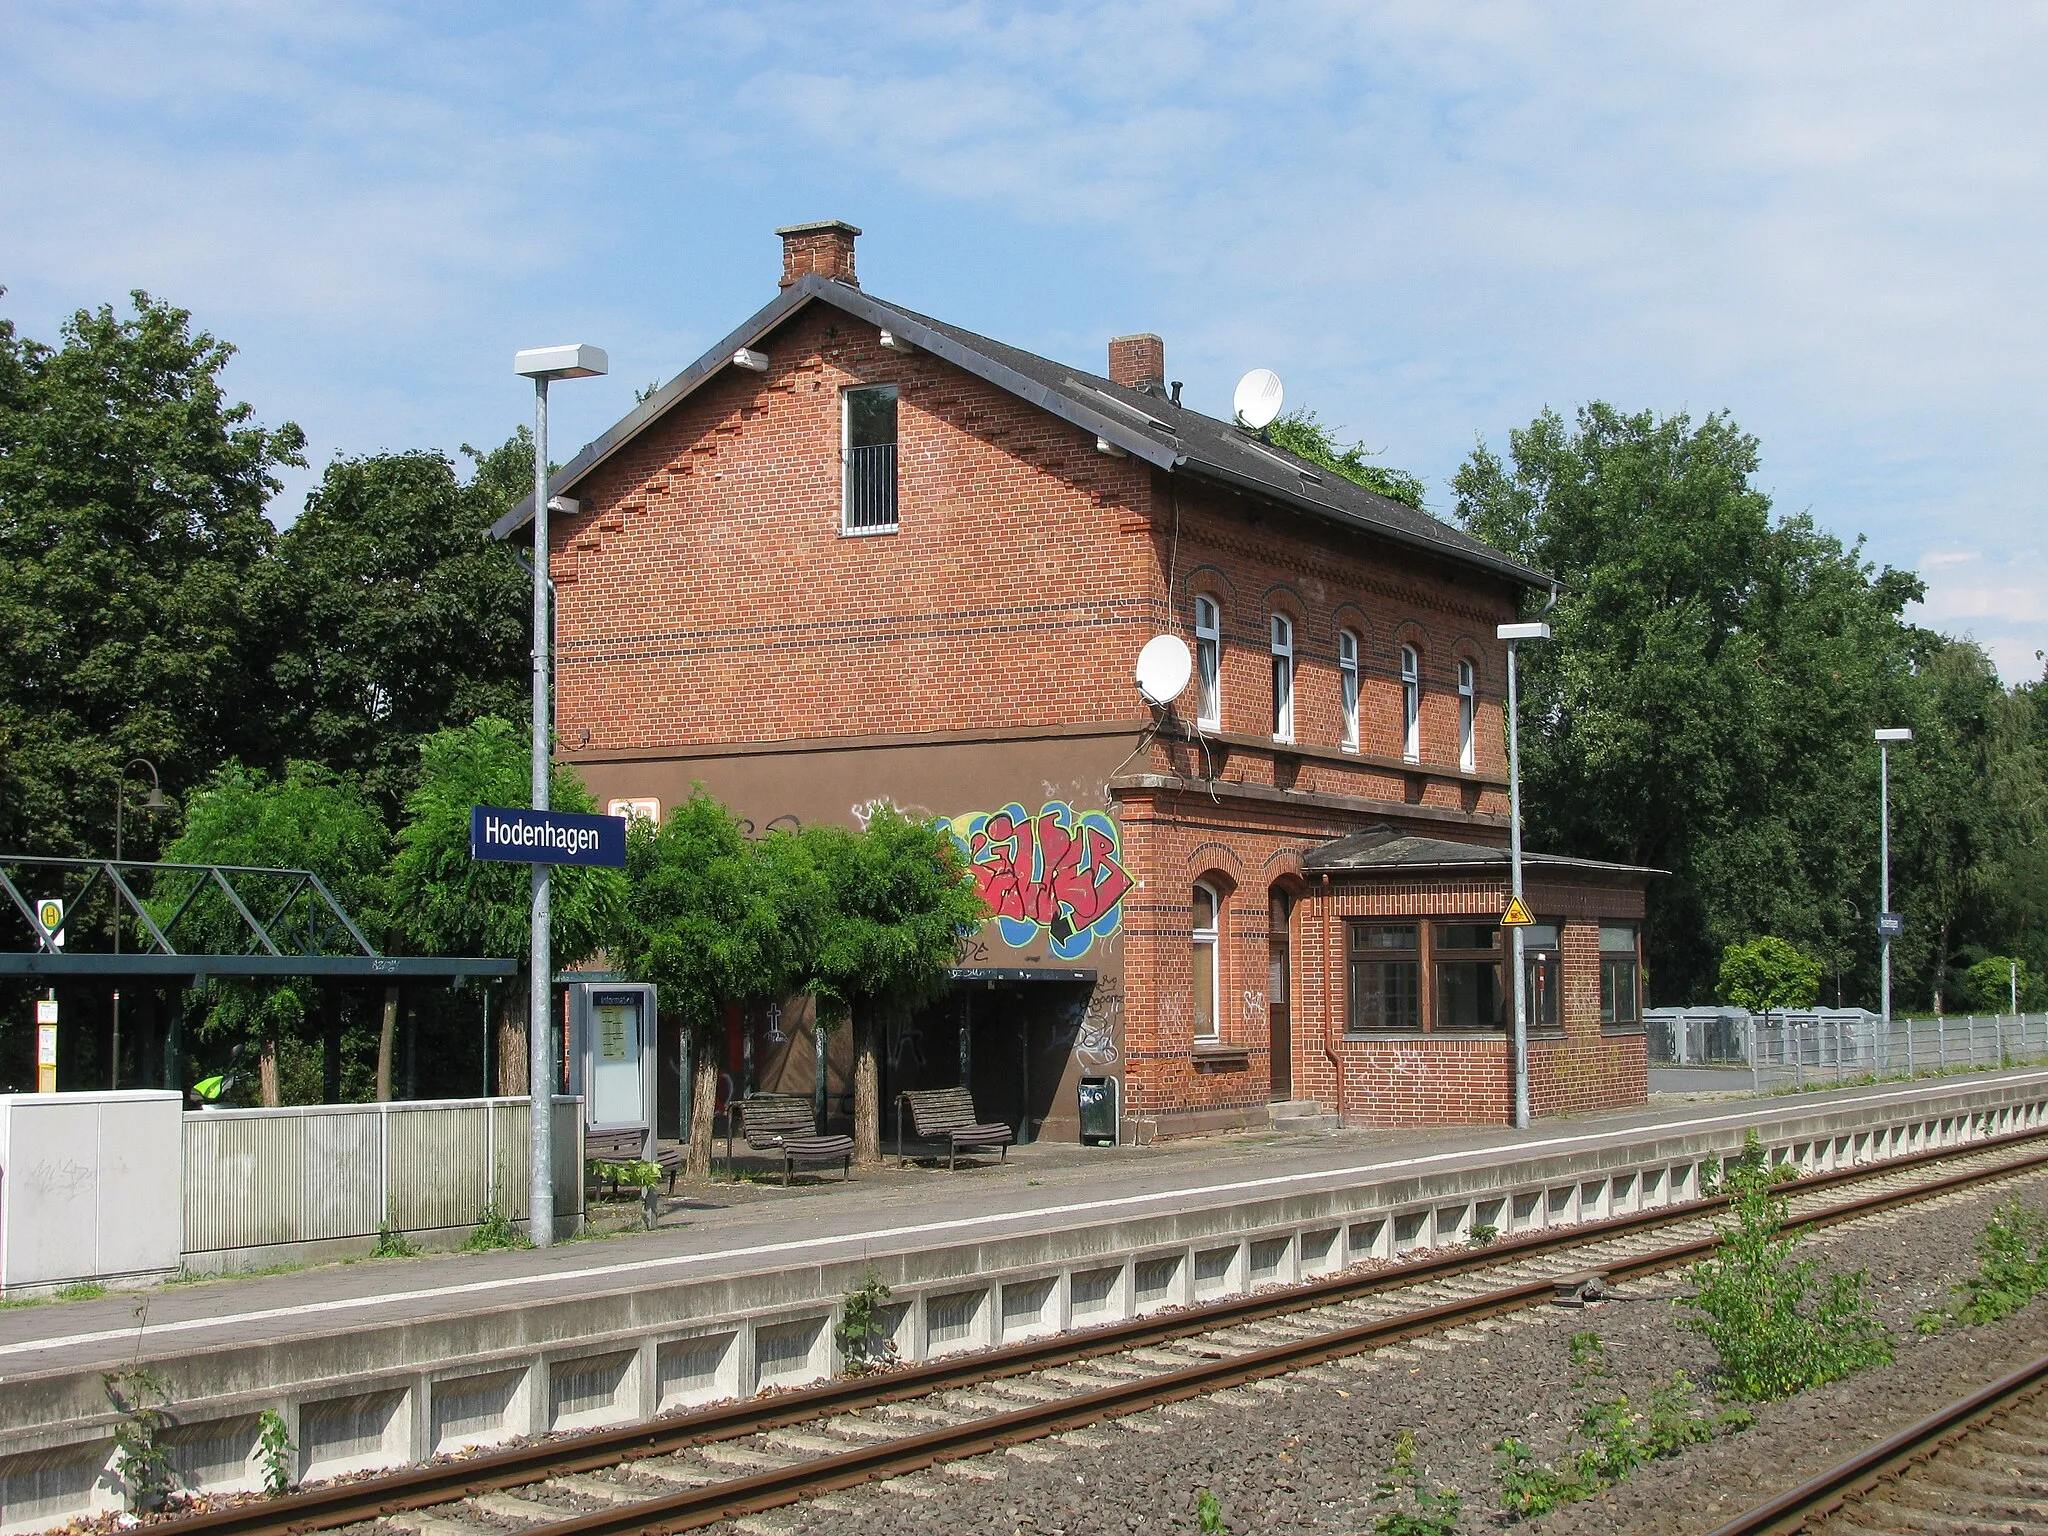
(383, 1396)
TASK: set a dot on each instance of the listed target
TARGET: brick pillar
(1138, 362)
(824, 247)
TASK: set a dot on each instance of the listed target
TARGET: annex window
(1283, 677)
(1468, 975)
(1208, 663)
(1542, 965)
(1347, 685)
(1207, 911)
(1386, 977)
(1468, 710)
(870, 455)
(1620, 974)
(1411, 704)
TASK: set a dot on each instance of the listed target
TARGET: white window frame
(1468, 717)
(1208, 663)
(1411, 704)
(1205, 945)
(847, 529)
(1282, 631)
(1347, 685)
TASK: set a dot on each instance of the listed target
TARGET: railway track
(737, 1460)
(1980, 1464)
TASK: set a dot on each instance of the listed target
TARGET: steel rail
(1822, 1496)
(420, 1487)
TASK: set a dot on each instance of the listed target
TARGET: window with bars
(1347, 685)
(1208, 663)
(1411, 704)
(1283, 677)
(869, 493)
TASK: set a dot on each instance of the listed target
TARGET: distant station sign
(515, 836)
(1891, 925)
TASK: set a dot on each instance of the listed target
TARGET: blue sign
(516, 836)
(1891, 925)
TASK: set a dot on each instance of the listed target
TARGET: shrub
(274, 1450)
(143, 1458)
(1777, 1327)
(494, 1229)
(860, 1326)
(2012, 1268)
(1419, 1508)
(1768, 973)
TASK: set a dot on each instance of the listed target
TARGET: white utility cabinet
(91, 1188)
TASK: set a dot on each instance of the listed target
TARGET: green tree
(1988, 984)
(446, 903)
(1768, 973)
(712, 920)
(308, 819)
(1706, 705)
(131, 522)
(389, 614)
(1301, 433)
(896, 899)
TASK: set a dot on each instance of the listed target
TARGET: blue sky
(1433, 221)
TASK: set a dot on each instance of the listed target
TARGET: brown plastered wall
(708, 595)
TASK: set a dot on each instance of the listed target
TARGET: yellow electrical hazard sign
(1517, 915)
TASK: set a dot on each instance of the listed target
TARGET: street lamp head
(1895, 733)
(155, 801)
(578, 360)
(1523, 632)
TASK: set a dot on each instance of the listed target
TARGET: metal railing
(1823, 1046)
(871, 487)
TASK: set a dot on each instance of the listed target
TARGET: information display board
(612, 1056)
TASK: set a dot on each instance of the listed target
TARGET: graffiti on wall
(1059, 872)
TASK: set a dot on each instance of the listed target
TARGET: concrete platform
(380, 1363)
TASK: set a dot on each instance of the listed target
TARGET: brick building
(857, 554)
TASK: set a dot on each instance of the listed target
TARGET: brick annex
(855, 554)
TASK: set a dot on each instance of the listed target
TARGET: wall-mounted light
(895, 343)
(749, 359)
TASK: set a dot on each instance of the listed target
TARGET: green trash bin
(1098, 1111)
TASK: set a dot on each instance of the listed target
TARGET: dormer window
(869, 494)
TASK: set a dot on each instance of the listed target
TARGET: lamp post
(542, 364)
(1514, 634)
(1889, 925)
(153, 802)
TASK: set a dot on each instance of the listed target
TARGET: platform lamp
(1889, 924)
(1514, 634)
(153, 802)
(543, 364)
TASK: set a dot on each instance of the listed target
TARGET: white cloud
(1433, 220)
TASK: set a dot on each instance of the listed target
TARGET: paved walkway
(755, 1229)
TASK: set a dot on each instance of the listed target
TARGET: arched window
(1203, 952)
(1411, 704)
(1468, 709)
(1208, 663)
(1283, 677)
(1347, 685)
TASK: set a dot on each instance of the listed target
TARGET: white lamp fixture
(749, 359)
(577, 360)
(1895, 733)
(543, 365)
(1523, 632)
(895, 343)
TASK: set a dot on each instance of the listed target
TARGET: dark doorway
(1279, 988)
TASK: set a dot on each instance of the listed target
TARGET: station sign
(1890, 925)
(511, 835)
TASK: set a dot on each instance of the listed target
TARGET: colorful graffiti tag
(1060, 872)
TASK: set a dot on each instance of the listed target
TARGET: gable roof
(1143, 425)
(1382, 849)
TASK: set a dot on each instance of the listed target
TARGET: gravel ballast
(1303, 1453)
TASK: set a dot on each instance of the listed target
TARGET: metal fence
(1828, 1045)
(262, 1185)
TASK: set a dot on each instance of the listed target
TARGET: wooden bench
(629, 1147)
(782, 1122)
(947, 1114)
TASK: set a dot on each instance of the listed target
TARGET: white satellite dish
(1258, 398)
(1164, 668)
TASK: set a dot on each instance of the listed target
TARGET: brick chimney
(1138, 362)
(825, 248)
